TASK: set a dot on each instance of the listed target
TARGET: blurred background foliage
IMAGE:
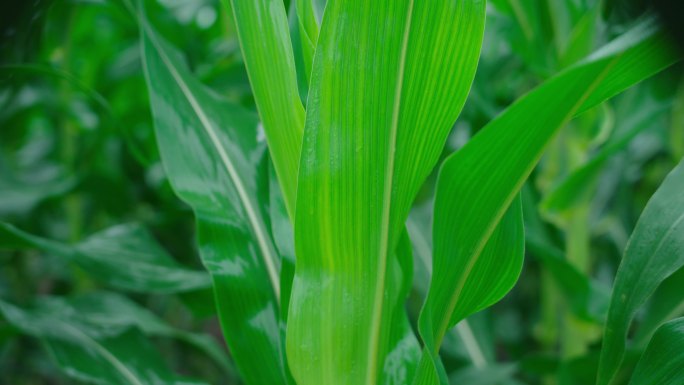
(99, 266)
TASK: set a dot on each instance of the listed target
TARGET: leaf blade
(485, 186)
(654, 253)
(219, 178)
(364, 158)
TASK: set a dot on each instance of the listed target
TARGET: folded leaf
(663, 360)
(210, 152)
(308, 31)
(389, 79)
(477, 184)
(655, 251)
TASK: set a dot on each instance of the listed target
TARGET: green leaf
(481, 283)
(654, 253)
(663, 360)
(666, 303)
(125, 257)
(478, 183)
(580, 185)
(89, 350)
(211, 155)
(388, 81)
(113, 311)
(267, 50)
(308, 31)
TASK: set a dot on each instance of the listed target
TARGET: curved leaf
(655, 251)
(663, 360)
(478, 183)
(210, 153)
(481, 283)
(89, 352)
(125, 257)
(666, 303)
(389, 79)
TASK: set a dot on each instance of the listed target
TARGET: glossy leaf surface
(366, 152)
(389, 79)
(479, 182)
(90, 350)
(663, 361)
(655, 251)
(211, 155)
(267, 50)
(124, 256)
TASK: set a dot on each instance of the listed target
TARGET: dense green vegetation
(358, 192)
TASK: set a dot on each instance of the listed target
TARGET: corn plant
(305, 205)
(387, 82)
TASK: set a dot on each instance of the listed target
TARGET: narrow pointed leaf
(663, 361)
(124, 257)
(210, 153)
(366, 152)
(267, 50)
(479, 182)
(308, 31)
(86, 351)
(655, 251)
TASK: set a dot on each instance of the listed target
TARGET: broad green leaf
(655, 251)
(478, 183)
(663, 360)
(389, 79)
(211, 155)
(481, 283)
(125, 257)
(464, 340)
(267, 49)
(89, 351)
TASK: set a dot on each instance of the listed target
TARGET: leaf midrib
(256, 224)
(446, 319)
(374, 341)
(106, 354)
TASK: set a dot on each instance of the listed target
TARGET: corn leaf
(663, 360)
(478, 184)
(308, 31)
(580, 185)
(90, 350)
(666, 303)
(655, 251)
(210, 153)
(267, 50)
(124, 256)
(366, 152)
